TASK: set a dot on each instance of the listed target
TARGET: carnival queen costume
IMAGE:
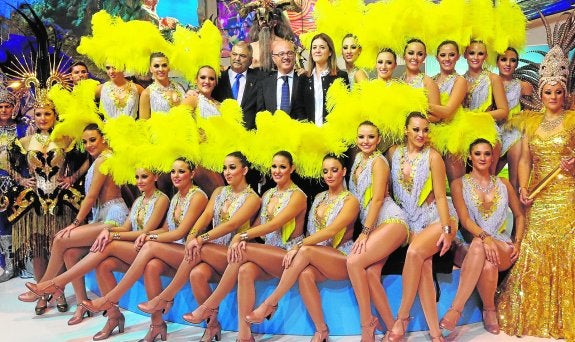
(538, 297)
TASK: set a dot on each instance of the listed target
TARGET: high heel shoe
(61, 303)
(265, 310)
(369, 330)
(28, 297)
(42, 304)
(251, 339)
(155, 331)
(490, 327)
(162, 305)
(450, 324)
(115, 319)
(213, 331)
(79, 315)
(52, 289)
(200, 314)
(107, 307)
(321, 335)
(396, 337)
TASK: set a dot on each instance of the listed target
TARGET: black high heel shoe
(42, 304)
(61, 303)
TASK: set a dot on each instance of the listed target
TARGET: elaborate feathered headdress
(42, 69)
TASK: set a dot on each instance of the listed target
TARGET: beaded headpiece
(555, 66)
(6, 96)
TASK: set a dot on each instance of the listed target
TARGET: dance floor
(19, 323)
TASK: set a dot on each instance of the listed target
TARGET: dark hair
(369, 123)
(477, 142)
(157, 54)
(509, 49)
(334, 156)
(414, 40)
(77, 63)
(286, 155)
(188, 162)
(386, 49)
(447, 42)
(93, 127)
(241, 157)
(351, 35)
(332, 60)
(414, 115)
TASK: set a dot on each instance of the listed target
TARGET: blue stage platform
(338, 300)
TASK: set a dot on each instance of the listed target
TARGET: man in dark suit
(240, 83)
(279, 90)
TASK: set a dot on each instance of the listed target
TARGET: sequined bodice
(479, 95)
(269, 211)
(173, 220)
(163, 98)
(317, 221)
(416, 82)
(45, 167)
(115, 103)
(446, 86)
(207, 108)
(490, 218)
(547, 153)
(222, 214)
(513, 94)
(140, 213)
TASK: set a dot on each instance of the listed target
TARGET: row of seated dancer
(183, 246)
(477, 90)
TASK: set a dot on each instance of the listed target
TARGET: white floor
(19, 323)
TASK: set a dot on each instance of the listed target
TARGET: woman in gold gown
(538, 297)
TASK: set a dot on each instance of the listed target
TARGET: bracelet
(205, 237)
(483, 235)
(116, 236)
(366, 230)
(153, 237)
(244, 236)
(76, 222)
(299, 244)
(446, 229)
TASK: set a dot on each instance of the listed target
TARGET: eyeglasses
(284, 54)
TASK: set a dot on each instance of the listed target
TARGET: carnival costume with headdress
(538, 297)
(38, 212)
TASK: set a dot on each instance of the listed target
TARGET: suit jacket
(223, 91)
(267, 95)
(307, 94)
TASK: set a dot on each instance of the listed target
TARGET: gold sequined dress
(538, 296)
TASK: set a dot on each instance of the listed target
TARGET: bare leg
(82, 236)
(421, 248)
(377, 293)
(39, 264)
(428, 297)
(171, 253)
(496, 155)
(381, 243)
(311, 297)
(454, 167)
(71, 257)
(154, 269)
(470, 272)
(249, 272)
(105, 275)
(513, 158)
(269, 258)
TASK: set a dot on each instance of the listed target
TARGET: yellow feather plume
(449, 21)
(124, 45)
(76, 109)
(193, 50)
(510, 25)
(222, 135)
